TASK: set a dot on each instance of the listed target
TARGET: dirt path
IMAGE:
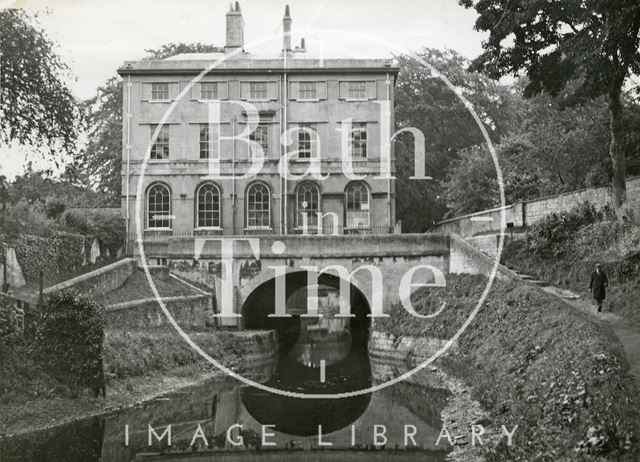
(629, 337)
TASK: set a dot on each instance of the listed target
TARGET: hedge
(60, 253)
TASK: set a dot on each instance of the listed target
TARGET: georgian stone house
(311, 110)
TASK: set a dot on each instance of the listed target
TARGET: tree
(171, 49)
(472, 183)
(38, 186)
(423, 101)
(98, 166)
(554, 149)
(593, 42)
(69, 337)
(4, 192)
(36, 107)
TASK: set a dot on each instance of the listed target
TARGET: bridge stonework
(200, 260)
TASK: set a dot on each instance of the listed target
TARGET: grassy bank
(138, 365)
(533, 362)
(567, 258)
(137, 287)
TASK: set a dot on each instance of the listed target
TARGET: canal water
(224, 409)
(229, 412)
(224, 419)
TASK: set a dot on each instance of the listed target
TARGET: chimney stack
(286, 31)
(301, 48)
(235, 28)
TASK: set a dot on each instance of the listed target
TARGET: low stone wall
(299, 246)
(190, 312)
(100, 281)
(486, 221)
(466, 259)
(405, 348)
(526, 213)
(488, 243)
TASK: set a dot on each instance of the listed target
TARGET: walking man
(597, 286)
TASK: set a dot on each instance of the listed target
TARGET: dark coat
(598, 284)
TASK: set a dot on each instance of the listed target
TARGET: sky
(94, 37)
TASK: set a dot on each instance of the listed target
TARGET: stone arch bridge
(257, 260)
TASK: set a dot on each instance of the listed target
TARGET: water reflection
(224, 419)
(222, 403)
(301, 417)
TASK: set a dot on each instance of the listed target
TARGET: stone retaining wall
(100, 281)
(526, 213)
(405, 348)
(190, 312)
(466, 259)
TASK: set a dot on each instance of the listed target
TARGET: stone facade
(302, 103)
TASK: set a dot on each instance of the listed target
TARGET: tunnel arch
(261, 302)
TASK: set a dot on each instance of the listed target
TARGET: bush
(109, 230)
(54, 207)
(23, 217)
(59, 253)
(68, 339)
(553, 236)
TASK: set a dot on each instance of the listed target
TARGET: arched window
(208, 206)
(158, 206)
(357, 205)
(307, 205)
(258, 205)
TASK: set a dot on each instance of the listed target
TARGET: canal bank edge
(139, 368)
(461, 412)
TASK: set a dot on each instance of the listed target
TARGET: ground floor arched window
(158, 206)
(357, 200)
(258, 206)
(208, 206)
(307, 205)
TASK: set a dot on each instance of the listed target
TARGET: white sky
(95, 36)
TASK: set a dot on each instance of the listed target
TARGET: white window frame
(219, 210)
(155, 92)
(303, 130)
(301, 91)
(313, 189)
(253, 90)
(160, 141)
(351, 90)
(216, 91)
(358, 129)
(148, 211)
(263, 141)
(247, 208)
(364, 186)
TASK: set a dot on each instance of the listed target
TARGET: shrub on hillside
(68, 339)
(54, 207)
(58, 253)
(109, 230)
(24, 217)
(554, 235)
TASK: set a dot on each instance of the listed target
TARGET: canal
(224, 419)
